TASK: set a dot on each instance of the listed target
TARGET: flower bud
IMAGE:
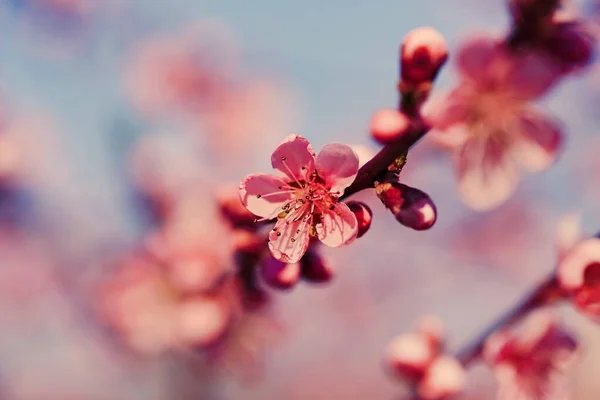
(444, 378)
(579, 274)
(423, 52)
(247, 240)
(388, 124)
(363, 214)
(409, 355)
(231, 207)
(315, 268)
(411, 207)
(278, 274)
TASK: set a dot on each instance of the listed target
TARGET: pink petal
(337, 165)
(289, 240)
(532, 75)
(256, 194)
(540, 141)
(480, 58)
(486, 173)
(295, 158)
(338, 227)
(443, 111)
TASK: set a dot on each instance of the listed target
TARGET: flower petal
(480, 58)
(487, 174)
(256, 193)
(289, 239)
(294, 157)
(532, 75)
(338, 227)
(337, 165)
(539, 143)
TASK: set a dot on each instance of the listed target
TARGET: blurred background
(101, 100)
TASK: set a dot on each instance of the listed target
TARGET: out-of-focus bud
(579, 274)
(247, 240)
(363, 214)
(411, 207)
(278, 274)
(388, 124)
(423, 52)
(444, 378)
(232, 208)
(409, 355)
(315, 268)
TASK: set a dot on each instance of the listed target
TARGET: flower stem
(544, 293)
(379, 164)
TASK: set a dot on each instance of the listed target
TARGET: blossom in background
(490, 124)
(157, 306)
(579, 275)
(305, 199)
(530, 361)
(184, 72)
(417, 357)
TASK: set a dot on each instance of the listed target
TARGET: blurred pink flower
(417, 358)
(305, 201)
(530, 362)
(579, 274)
(187, 71)
(489, 122)
(156, 308)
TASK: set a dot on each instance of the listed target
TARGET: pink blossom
(489, 121)
(530, 361)
(579, 274)
(304, 201)
(156, 309)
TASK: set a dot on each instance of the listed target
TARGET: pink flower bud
(409, 355)
(231, 207)
(411, 207)
(579, 274)
(388, 124)
(315, 268)
(363, 214)
(279, 274)
(444, 378)
(248, 241)
(424, 51)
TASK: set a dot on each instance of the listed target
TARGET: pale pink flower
(155, 309)
(579, 274)
(489, 121)
(304, 201)
(444, 379)
(530, 362)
